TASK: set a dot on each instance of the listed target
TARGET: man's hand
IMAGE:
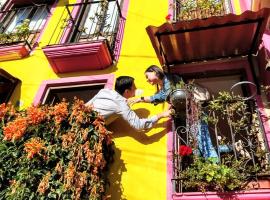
(165, 114)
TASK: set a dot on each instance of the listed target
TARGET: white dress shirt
(111, 105)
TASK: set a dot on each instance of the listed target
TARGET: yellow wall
(143, 155)
(139, 170)
(237, 7)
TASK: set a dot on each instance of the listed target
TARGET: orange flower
(33, 147)
(60, 112)
(78, 110)
(69, 175)
(101, 129)
(16, 129)
(3, 110)
(44, 183)
(98, 120)
(35, 115)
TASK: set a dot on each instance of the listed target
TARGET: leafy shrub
(53, 152)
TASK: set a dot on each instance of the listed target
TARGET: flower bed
(53, 152)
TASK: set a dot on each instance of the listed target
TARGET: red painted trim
(45, 25)
(169, 159)
(12, 52)
(245, 195)
(79, 56)
(120, 33)
(67, 30)
(108, 79)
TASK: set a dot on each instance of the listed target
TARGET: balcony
(85, 37)
(185, 10)
(219, 146)
(19, 30)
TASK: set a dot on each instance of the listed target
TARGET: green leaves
(207, 176)
(193, 9)
(21, 33)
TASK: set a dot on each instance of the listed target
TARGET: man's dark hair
(123, 83)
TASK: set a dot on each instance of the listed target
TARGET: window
(98, 20)
(23, 22)
(36, 14)
(196, 9)
(84, 92)
(226, 130)
(83, 87)
(7, 85)
(2, 3)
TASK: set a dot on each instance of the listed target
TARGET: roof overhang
(209, 39)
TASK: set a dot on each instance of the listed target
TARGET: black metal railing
(227, 131)
(199, 9)
(22, 24)
(91, 21)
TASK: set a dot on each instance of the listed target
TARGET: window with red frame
(11, 19)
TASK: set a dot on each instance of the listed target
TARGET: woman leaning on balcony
(165, 83)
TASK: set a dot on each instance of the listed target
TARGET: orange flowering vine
(3, 110)
(33, 147)
(78, 110)
(35, 115)
(60, 112)
(6, 108)
(99, 125)
(16, 129)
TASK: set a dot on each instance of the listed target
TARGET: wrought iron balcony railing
(222, 144)
(86, 22)
(22, 25)
(199, 9)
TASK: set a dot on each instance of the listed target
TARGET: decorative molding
(12, 52)
(79, 57)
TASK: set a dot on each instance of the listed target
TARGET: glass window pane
(19, 17)
(39, 18)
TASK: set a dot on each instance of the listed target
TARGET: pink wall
(245, 4)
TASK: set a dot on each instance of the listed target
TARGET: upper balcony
(85, 37)
(218, 146)
(185, 10)
(19, 29)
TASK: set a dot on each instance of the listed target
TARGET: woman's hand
(132, 101)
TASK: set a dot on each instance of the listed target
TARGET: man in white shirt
(112, 104)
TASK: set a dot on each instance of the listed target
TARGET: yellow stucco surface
(139, 170)
(237, 7)
(141, 166)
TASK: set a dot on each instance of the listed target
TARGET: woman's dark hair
(123, 83)
(153, 68)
